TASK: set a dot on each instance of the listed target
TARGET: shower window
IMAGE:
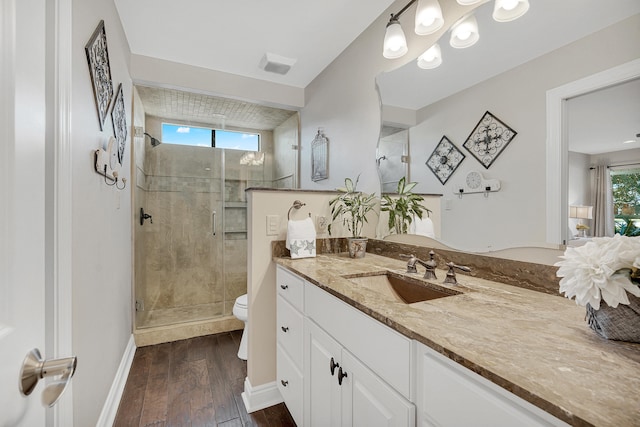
(207, 137)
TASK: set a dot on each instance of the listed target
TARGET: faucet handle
(451, 274)
(411, 264)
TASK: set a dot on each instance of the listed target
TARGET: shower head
(154, 142)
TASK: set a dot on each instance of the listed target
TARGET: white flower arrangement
(596, 271)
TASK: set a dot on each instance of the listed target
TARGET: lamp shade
(431, 58)
(581, 212)
(464, 33)
(509, 10)
(468, 2)
(428, 17)
(395, 43)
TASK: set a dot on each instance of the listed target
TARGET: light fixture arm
(395, 16)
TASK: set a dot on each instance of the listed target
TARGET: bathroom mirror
(508, 72)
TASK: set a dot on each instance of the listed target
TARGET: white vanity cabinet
(290, 328)
(347, 355)
(448, 394)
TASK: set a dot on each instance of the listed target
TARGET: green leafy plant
(353, 206)
(403, 206)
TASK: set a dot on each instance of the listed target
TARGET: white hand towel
(301, 238)
(422, 227)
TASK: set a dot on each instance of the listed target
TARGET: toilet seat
(241, 301)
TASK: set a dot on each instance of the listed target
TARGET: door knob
(35, 367)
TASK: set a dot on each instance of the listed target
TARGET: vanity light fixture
(428, 20)
(431, 58)
(464, 33)
(509, 10)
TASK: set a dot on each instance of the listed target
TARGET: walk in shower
(190, 225)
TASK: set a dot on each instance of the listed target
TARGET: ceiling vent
(276, 64)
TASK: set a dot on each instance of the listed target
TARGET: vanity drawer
(290, 385)
(290, 287)
(290, 328)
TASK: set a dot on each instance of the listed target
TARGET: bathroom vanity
(350, 352)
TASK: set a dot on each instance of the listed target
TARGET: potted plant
(403, 207)
(604, 276)
(353, 206)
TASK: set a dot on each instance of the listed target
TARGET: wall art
(319, 157)
(119, 120)
(100, 71)
(444, 160)
(488, 139)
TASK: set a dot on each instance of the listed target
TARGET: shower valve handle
(144, 216)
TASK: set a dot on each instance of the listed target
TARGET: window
(626, 201)
(204, 137)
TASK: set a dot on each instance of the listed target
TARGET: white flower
(593, 271)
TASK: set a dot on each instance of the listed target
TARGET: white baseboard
(110, 408)
(260, 397)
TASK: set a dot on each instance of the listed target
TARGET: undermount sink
(404, 289)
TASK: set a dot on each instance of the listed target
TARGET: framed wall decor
(119, 120)
(100, 71)
(319, 157)
(488, 139)
(444, 160)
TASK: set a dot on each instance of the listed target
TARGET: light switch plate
(273, 221)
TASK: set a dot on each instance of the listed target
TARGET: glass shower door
(180, 273)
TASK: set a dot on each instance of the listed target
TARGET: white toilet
(240, 311)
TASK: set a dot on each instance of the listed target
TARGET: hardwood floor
(195, 382)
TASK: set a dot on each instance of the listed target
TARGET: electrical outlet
(273, 221)
(321, 224)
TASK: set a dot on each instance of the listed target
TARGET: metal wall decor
(319, 157)
(119, 120)
(489, 138)
(100, 71)
(444, 160)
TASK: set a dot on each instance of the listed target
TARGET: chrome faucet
(451, 274)
(430, 266)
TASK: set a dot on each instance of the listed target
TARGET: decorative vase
(621, 323)
(357, 246)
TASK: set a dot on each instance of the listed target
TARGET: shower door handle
(213, 223)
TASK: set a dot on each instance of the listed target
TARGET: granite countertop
(537, 346)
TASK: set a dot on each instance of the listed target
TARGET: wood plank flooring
(195, 382)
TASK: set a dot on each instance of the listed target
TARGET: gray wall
(101, 272)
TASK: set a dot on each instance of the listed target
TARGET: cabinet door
(449, 394)
(367, 401)
(322, 397)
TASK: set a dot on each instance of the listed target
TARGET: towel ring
(297, 204)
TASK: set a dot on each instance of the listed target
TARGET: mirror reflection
(508, 73)
(392, 157)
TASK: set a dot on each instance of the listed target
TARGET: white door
(367, 401)
(323, 392)
(25, 307)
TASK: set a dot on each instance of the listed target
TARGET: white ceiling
(232, 36)
(601, 121)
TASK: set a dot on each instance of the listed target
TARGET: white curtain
(602, 196)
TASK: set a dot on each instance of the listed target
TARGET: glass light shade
(464, 33)
(509, 10)
(395, 43)
(428, 17)
(431, 58)
(468, 2)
